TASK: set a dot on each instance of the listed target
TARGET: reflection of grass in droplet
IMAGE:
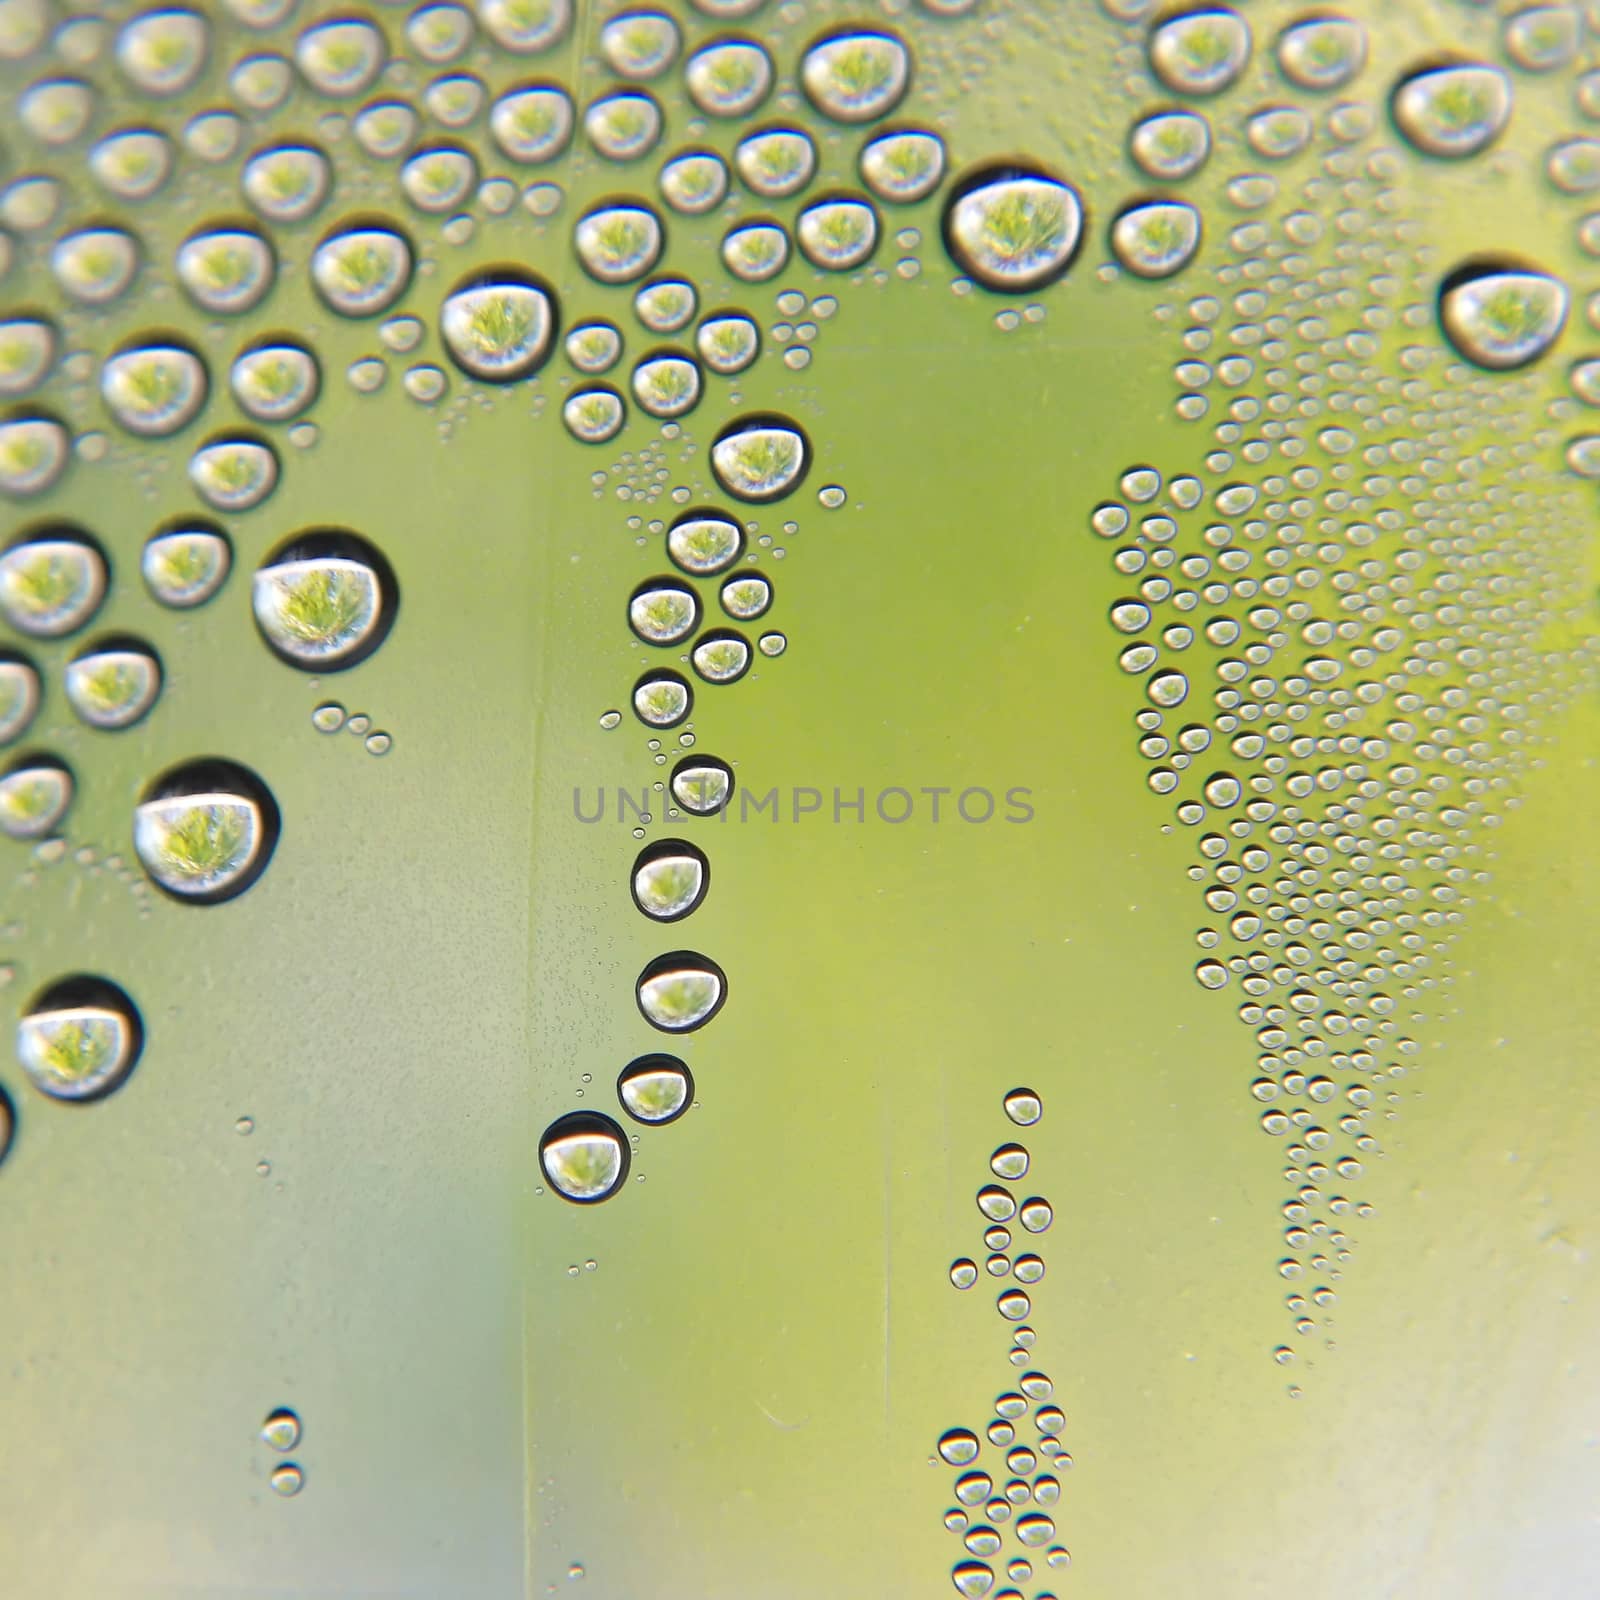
(720, 658)
(204, 841)
(761, 460)
(22, 452)
(619, 238)
(132, 161)
(660, 701)
(27, 798)
(756, 251)
(272, 377)
(437, 177)
(1204, 46)
(361, 266)
(154, 383)
(660, 615)
(668, 384)
(286, 178)
(906, 162)
(727, 341)
(860, 69)
(46, 582)
(1327, 48)
(110, 686)
(696, 181)
(499, 324)
(76, 1049)
(639, 43)
(533, 119)
(841, 231)
(1160, 235)
(778, 160)
(321, 605)
(592, 348)
(231, 470)
(183, 563)
(340, 55)
(1022, 223)
(223, 266)
(1459, 105)
(704, 546)
(623, 123)
(167, 51)
(93, 265)
(524, 16)
(593, 413)
(1512, 315)
(731, 73)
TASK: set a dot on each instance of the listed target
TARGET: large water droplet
(439, 179)
(624, 126)
(275, 382)
(663, 612)
(594, 347)
(79, 1039)
(27, 352)
(325, 600)
(96, 265)
(342, 57)
(655, 1089)
(525, 27)
(1501, 316)
(1156, 238)
(113, 684)
(162, 52)
(972, 1579)
(694, 183)
(205, 831)
(1200, 52)
(729, 78)
(532, 125)
(20, 689)
(662, 699)
(185, 566)
(1541, 38)
(760, 458)
(133, 164)
(154, 390)
(51, 583)
(755, 251)
(959, 1446)
(1013, 229)
(619, 243)
(594, 415)
(1452, 111)
(903, 167)
(35, 791)
(837, 235)
(745, 596)
(1171, 145)
(33, 455)
(856, 76)
(498, 327)
(681, 991)
(776, 162)
(362, 271)
(234, 474)
(702, 785)
(1322, 53)
(288, 184)
(666, 384)
(640, 44)
(721, 656)
(666, 306)
(584, 1156)
(703, 543)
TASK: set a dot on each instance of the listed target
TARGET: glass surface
(1072, 570)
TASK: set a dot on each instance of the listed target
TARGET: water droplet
(328, 717)
(856, 76)
(1024, 1107)
(27, 352)
(1573, 166)
(33, 455)
(729, 78)
(703, 543)
(996, 1204)
(287, 1480)
(96, 265)
(386, 130)
(663, 612)
(185, 566)
(1500, 316)
(154, 390)
(113, 684)
(57, 111)
(1171, 145)
(655, 1089)
(525, 27)
(702, 785)
(721, 656)
(670, 879)
(963, 1274)
(362, 271)
(79, 1039)
(1322, 53)
(287, 184)
(1156, 238)
(694, 183)
(213, 136)
(755, 252)
(532, 125)
(594, 347)
(234, 474)
(205, 831)
(640, 44)
(35, 792)
(666, 384)
(584, 1156)
(341, 58)
(760, 458)
(261, 83)
(681, 991)
(281, 1430)
(162, 52)
(1279, 132)
(1452, 111)
(275, 382)
(959, 1447)
(1012, 229)
(594, 415)
(618, 243)
(666, 306)
(746, 595)
(50, 585)
(973, 1488)
(1199, 52)
(903, 167)
(1010, 1162)
(837, 235)
(772, 644)
(19, 696)
(1013, 1305)
(325, 600)
(1167, 689)
(439, 179)
(498, 328)
(662, 699)
(623, 126)
(1541, 38)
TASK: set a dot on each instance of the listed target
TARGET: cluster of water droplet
(1017, 1498)
(1337, 617)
